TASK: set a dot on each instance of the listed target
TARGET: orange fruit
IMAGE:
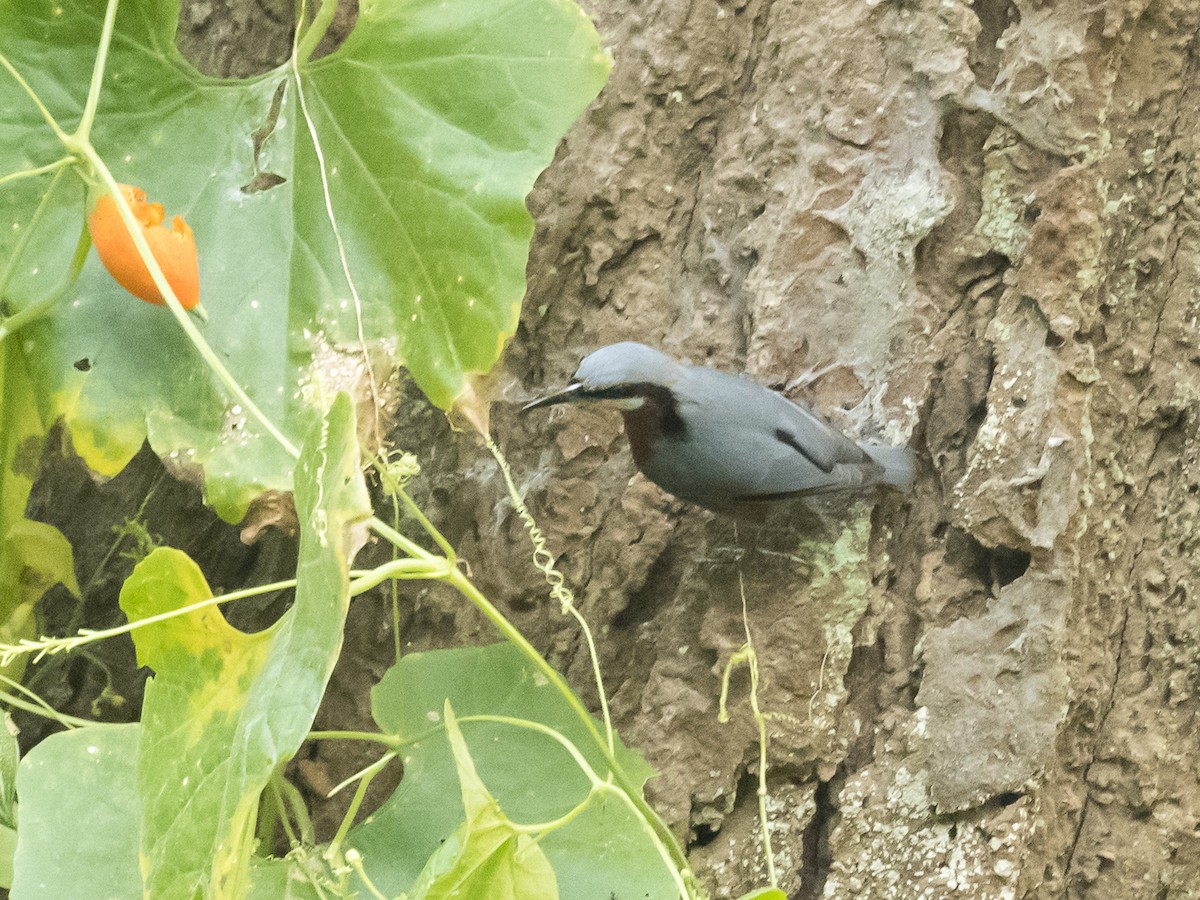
(174, 248)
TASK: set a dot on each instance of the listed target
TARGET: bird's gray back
(743, 440)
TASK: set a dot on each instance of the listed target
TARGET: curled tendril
(543, 559)
(396, 469)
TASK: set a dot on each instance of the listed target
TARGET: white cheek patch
(630, 403)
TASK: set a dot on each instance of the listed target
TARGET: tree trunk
(975, 227)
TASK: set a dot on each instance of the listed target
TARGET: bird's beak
(569, 394)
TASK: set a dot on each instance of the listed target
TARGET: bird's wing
(750, 407)
(813, 437)
(753, 442)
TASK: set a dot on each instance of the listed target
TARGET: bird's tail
(899, 467)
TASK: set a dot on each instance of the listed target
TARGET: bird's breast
(644, 429)
(647, 424)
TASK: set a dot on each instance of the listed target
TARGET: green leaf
(281, 879)
(226, 708)
(34, 556)
(78, 822)
(601, 852)
(486, 857)
(434, 118)
(10, 758)
(767, 893)
(8, 851)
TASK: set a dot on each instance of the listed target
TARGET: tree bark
(976, 227)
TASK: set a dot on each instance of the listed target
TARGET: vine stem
(398, 568)
(84, 131)
(763, 738)
(26, 235)
(315, 31)
(748, 656)
(599, 786)
(37, 101)
(40, 170)
(354, 860)
(88, 152)
(544, 561)
(34, 311)
(43, 709)
(408, 545)
(11, 324)
(50, 646)
(365, 777)
(444, 545)
(464, 586)
(291, 794)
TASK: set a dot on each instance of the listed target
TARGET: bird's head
(626, 373)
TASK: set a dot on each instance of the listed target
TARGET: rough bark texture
(979, 223)
(973, 228)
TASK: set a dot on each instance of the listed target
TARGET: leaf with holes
(431, 123)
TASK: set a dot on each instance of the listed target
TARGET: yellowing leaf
(226, 708)
(33, 556)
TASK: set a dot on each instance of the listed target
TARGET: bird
(721, 441)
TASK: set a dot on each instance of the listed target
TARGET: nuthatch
(720, 440)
